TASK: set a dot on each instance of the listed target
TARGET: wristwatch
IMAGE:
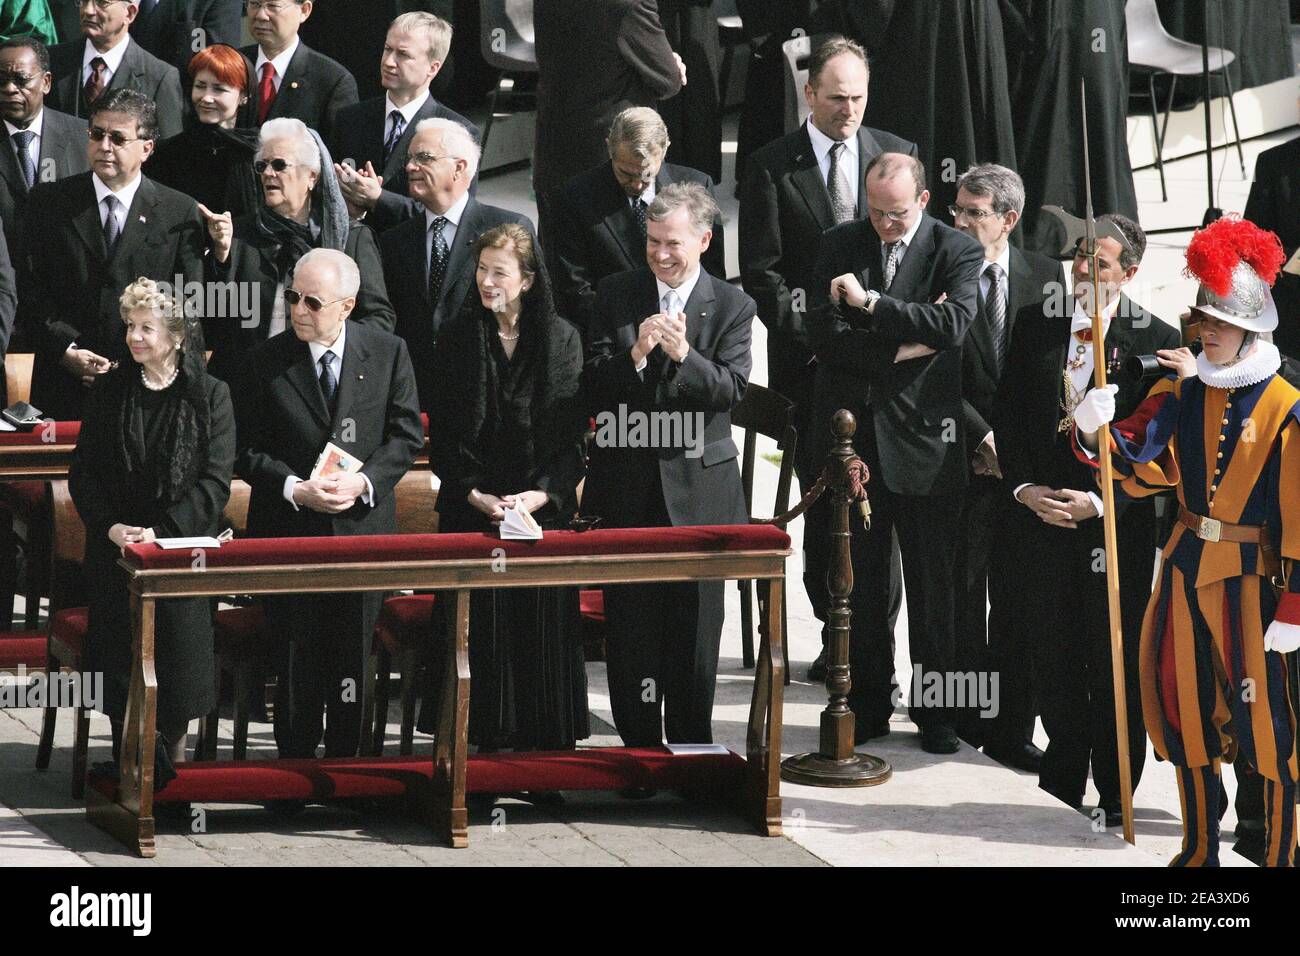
(872, 298)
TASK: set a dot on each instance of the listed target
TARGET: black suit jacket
(784, 209)
(406, 271)
(701, 483)
(282, 424)
(1274, 203)
(70, 287)
(313, 89)
(8, 309)
(1032, 278)
(252, 265)
(170, 30)
(595, 58)
(595, 235)
(139, 70)
(1027, 405)
(909, 413)
(63, 154)
(358, 139)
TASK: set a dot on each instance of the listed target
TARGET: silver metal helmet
(1248, 304)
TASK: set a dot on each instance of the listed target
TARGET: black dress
(212, 165)
(106, 493)
(505, 426)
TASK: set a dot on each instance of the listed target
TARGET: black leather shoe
(1020, 756)
(864, 732)
(940, 739)
(817, 669)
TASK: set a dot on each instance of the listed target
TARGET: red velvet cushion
(55, 433)
(22, 647)
(604, 768)
(424, 423)
(68, 632)
(423, 547)
(240, 627)
(404, 620)
(592, 604)
(24, 497)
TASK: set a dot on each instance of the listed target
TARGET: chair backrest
(69, 552)
(18, 376)
(1147, 37)
(235, 515)
(507, 38)
(765, 412)
(797, 51)
(416, 503)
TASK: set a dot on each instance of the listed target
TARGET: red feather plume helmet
(1236, 262)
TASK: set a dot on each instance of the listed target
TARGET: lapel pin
(293, 85)
(360, 377)
(144, 220)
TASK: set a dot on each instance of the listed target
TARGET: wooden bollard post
(836, 764)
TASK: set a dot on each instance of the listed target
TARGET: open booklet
(519, 525)
(334, 460)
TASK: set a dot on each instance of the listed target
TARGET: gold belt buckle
(1209, 529)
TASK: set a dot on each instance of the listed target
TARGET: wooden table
(43, 454)
(456, 564)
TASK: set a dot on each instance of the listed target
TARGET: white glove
(1281, 637)
(1096, 409)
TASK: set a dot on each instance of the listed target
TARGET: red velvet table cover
(47, 433)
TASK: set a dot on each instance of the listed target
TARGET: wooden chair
(25, 503)
(65, 647)
(405, 624)
(764, 412)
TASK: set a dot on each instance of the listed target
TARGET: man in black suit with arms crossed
(324, 380)
(372, 137)
(428, 265)
(599, 215)
(1274, 203)
(896, 293)
(673, 341)
(85, 238)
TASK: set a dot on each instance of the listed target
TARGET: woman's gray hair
(456, 141)
(700, 206)
(147, 294)
(642, 130)
(347, 276)
(296, 132)
(1001, 186)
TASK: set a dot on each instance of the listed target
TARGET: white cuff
(288, 490)
(641, 365)
(368, 496)
(1015, 493)
(1096, 501)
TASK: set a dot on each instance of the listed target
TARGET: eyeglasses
(276, 165)
(892, 216)
(293, 297)
(100, 5)
(424, 159)
(18, 80)
(97, 134)
(270, 6)
(974, 215)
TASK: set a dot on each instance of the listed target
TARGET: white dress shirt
(647, 196)
(112, 60)
(821, 144)
(449, 228)
(37, 127)
(903, 245)
(125, 196)
(281, 63)
(317, 350)
(683, 293)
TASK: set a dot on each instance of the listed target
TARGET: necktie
(995, 305)
(112, 230)
(891, 263)
(95, 85)
(266, 91)
(437, 259)
(22, 143)
(671, 307)
(638, 210)
(837, 184)
(399, 126)
(328, 381)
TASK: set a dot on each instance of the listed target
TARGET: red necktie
(265, 92)
(94, 88)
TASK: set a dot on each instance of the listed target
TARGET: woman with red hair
(212, 160)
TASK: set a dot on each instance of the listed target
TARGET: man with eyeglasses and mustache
(44, 144)
(86, 238)
(427, 262)
(106, 60)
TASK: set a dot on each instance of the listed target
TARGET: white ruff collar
(1255, 368)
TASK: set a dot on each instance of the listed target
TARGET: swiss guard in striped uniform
(1225, 433)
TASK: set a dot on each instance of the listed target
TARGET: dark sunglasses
(115, 137)
(293, 297)
(277, 165)
(18, 80)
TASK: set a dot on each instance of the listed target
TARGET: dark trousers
(987, 582)
(1066, 620)
(926, 527)
(661, 648)
(322, 671)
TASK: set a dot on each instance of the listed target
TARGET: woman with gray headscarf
(302, 209)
